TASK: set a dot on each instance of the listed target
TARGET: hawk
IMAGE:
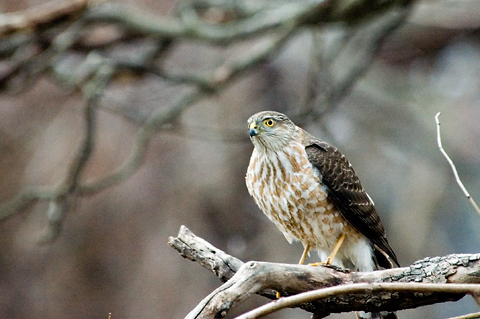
(309, 190)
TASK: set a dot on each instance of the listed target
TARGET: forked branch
(325, 290)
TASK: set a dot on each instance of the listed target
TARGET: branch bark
(325, 290)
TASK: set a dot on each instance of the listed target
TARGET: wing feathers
(345, 190)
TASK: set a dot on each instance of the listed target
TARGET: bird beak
(253, 129)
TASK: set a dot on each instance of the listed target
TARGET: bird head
(271, 130)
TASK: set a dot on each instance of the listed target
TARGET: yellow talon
(330, 258)
(332, 255)
(321, 263)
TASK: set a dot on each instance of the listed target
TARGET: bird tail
(376, 315)
(381, 258)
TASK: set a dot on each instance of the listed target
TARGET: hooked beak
(253, 129)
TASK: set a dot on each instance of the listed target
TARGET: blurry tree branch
(43, 41)
(325, 290)
(35, 17)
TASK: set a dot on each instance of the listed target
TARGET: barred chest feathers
(288, 190)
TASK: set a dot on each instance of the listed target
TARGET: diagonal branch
(39, 15)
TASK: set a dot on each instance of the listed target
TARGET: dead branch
(359, 288)
(199, 250)
(325, 290)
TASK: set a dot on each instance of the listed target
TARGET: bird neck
(266, 144)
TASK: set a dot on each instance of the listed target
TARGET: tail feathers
(376, 315)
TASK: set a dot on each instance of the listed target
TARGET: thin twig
(454, 169)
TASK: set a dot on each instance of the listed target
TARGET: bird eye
(269, 122)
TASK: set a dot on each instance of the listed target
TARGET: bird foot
(278, 295)
(328, 262)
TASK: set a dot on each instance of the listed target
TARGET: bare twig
(454, 169)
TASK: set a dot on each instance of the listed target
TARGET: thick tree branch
(199, 250)
(360, 288)
(427, 281)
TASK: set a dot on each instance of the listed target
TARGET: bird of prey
(309, 190)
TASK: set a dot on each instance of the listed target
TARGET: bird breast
(288, 189)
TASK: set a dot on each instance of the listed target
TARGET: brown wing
(345, 190)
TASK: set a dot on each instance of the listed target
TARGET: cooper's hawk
(309, 190)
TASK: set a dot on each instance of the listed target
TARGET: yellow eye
(269, 122)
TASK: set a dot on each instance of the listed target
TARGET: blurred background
(115, 130)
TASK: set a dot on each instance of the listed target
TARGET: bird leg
(330, 258)
(333, 253)
(304, 255)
